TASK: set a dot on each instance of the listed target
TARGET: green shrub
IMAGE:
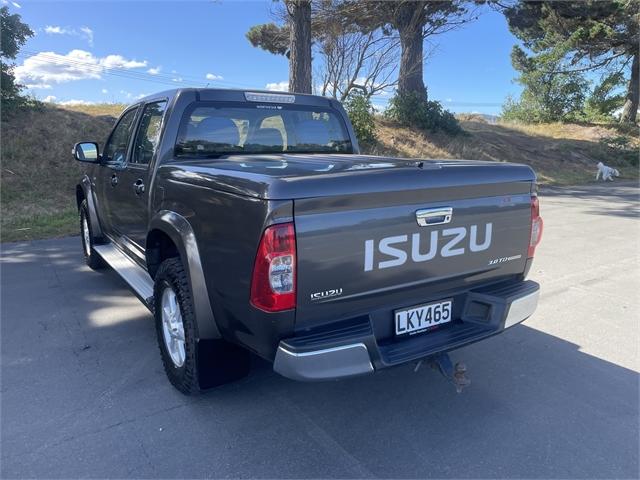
(414, 110)
(621, 148)
(360, 113)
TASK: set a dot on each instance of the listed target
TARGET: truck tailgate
(362, 252)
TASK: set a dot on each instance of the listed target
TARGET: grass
(561, 154)
(38, 174)
(41, 225)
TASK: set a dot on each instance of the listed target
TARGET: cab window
(115, 152)
(148, 135)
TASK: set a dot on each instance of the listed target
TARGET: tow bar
(455, 374)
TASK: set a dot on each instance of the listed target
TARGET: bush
(621, 148)
(360, 113)
(414, 110)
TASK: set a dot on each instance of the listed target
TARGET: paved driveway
(84, 395)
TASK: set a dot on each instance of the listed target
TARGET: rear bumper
(352, 349)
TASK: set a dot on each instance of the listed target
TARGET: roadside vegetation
(39, 175)
(37, 194)
(578, 64)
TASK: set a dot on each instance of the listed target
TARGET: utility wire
(172, 79)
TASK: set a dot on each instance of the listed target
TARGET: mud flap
(221, 362)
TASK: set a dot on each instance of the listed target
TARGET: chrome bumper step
(132, 273)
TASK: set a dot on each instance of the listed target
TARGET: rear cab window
(213, 129)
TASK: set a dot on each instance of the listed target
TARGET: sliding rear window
(213, 129)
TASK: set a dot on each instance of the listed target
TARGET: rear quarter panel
(228, 228)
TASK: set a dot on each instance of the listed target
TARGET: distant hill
(474, 116)
(39, 175)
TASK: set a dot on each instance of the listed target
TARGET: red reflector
(536, 226)
(273, 284)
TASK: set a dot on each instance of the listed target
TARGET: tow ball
(455, 374)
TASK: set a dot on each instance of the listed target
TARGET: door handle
(114, 180)
(138, 187)
(434, 216)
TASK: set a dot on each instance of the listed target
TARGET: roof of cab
(232, 94)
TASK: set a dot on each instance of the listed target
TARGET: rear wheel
(190, 365)
(91, 257)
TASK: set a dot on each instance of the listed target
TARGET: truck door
(131, 202)
(114, 159)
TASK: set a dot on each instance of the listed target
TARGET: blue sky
(117, 50)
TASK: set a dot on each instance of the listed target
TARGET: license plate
(420, 318)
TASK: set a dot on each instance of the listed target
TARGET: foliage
(548, 95)
(605, 99)
(414, 21)
(14, 34)
(581, 36)
(360, 112)
(357, 40)
(270, 37)
(621, 148)
(415, 110)
(39, 174)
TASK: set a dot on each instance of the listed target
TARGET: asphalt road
(83, 393)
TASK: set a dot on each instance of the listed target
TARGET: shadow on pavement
(621, 199)
(83, 394)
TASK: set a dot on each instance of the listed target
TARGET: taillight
(273, 285)
(536, 226)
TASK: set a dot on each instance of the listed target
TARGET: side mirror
(86, 152)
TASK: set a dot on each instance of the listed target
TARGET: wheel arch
(171, 235)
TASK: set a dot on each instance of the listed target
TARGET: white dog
(607, 173)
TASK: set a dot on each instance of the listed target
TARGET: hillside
(561, 154)
(39, 175)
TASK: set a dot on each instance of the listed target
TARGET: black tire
(207, 363)
(91, 257)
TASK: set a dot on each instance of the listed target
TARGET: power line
(160, 78)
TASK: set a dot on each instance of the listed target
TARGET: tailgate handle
(434, 216)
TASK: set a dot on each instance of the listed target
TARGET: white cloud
(449, 100)
(105, 91)
(55, 30)
(177, 79)
(76, 102)
(212, 76)
(50, 67)
(49, 99)
(38, 86)
(118, 61)
(82, 32)
(88, 34)
(154, 71)
(15, 4)
(278, 86)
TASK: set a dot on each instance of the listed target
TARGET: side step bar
(132, 273)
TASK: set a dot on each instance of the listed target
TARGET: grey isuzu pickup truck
(248, 221)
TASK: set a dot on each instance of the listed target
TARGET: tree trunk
(300, 46)
(630, 109)
(409, 21)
